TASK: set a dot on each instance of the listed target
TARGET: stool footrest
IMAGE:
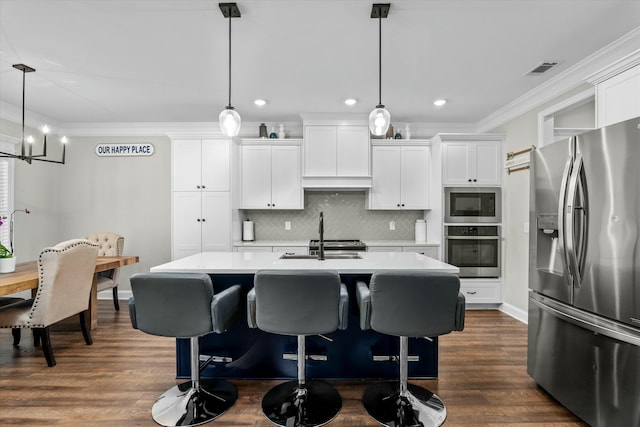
(395, 358)
(294, 356)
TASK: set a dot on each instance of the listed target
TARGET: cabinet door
(216, 217)
(186, 163)
(319, 150)
(430, 251)
(215, 165)
(487, 163)
(286, 184)
(385, 186)
(352, 151)
(618, 98)
(455, 163)
(187, 223)
(415, 177)
(255, 177)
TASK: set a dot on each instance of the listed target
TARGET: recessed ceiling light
(439, 102)
(350, 101)
(260, 102)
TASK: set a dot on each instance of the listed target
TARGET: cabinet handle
(471, 292)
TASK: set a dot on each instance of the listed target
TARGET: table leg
(92, 313)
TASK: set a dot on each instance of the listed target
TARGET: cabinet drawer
(384, 248)
(253, 249)
(430, 251)
(297, 250)
(481, 293)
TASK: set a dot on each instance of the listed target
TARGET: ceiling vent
(542, 68)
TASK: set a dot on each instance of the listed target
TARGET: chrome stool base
(183, 405)
(315, 405)
(419, 407)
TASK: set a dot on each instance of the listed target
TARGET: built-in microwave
(472, 204)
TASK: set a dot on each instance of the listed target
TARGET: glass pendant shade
(229, 122)
(379, 121)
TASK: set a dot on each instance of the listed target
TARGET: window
(7, 144)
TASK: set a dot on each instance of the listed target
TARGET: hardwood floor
(114, 382)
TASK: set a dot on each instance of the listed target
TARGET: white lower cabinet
(481, 291)
(201, 222)
(384, 248)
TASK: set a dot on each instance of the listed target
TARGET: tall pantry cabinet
(201, 196)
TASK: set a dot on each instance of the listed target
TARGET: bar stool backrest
(297, 302)
(414, 303)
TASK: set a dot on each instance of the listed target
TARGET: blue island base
(259, 355)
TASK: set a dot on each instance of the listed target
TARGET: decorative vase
(407, 132)
(281, 131)
(7, 265)
(389, 134)
(273, 132)
(263, 130)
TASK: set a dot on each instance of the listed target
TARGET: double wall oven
(472, 230)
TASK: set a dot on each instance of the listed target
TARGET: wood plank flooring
(483, 379)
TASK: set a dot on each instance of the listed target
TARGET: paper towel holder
(248, 234)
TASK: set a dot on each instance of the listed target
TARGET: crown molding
(13, 113)
(569, 79)
(619, 66)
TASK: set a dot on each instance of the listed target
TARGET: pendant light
(27, 155)
(229, 118)
(379, 119)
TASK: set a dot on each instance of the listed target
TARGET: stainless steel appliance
(475, 250)
(337, 247)
(584, 274)
(472, 204)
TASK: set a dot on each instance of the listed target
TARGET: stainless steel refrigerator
(584, 274)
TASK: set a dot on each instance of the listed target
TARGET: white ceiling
(105, 61)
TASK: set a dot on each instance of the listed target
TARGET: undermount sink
(326, 256)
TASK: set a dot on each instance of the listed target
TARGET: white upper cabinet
(201, 197)
(200, 165)
(270, 177)
(618, 98)
(471, 163)
(336, 151)
(400, 177)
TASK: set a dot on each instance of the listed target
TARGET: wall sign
(121, 150)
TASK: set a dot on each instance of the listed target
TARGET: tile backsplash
(345, 217)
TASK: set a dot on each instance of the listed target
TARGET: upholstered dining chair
(65, 276)
(6, 302)
(111, 244)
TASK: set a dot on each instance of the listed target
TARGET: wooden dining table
(25, 278)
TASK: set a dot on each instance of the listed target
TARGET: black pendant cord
(229, 105)
(23, 84)
(380, 60)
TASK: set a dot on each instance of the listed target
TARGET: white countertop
(275, 243)
(250, 262)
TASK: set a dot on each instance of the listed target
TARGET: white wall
(127, 195)
(522, 132)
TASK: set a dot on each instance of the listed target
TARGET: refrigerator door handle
(570, 218)
(561, 218)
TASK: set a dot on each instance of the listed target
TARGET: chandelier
(27, 154)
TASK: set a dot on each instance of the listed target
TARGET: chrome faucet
(321, 244)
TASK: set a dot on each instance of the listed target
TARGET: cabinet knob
(403, 205)
(398, 205)
(197, 186)
(475, 180)
(273, 205)
(268, 204)
(469, 180)
(203, 219)
(198, 220)
(203, 187)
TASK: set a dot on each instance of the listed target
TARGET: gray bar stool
(408, 304)
(183, 305)
(300, 303)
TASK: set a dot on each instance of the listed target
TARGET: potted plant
(7, 260)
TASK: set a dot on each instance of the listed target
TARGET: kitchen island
(352, 354)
